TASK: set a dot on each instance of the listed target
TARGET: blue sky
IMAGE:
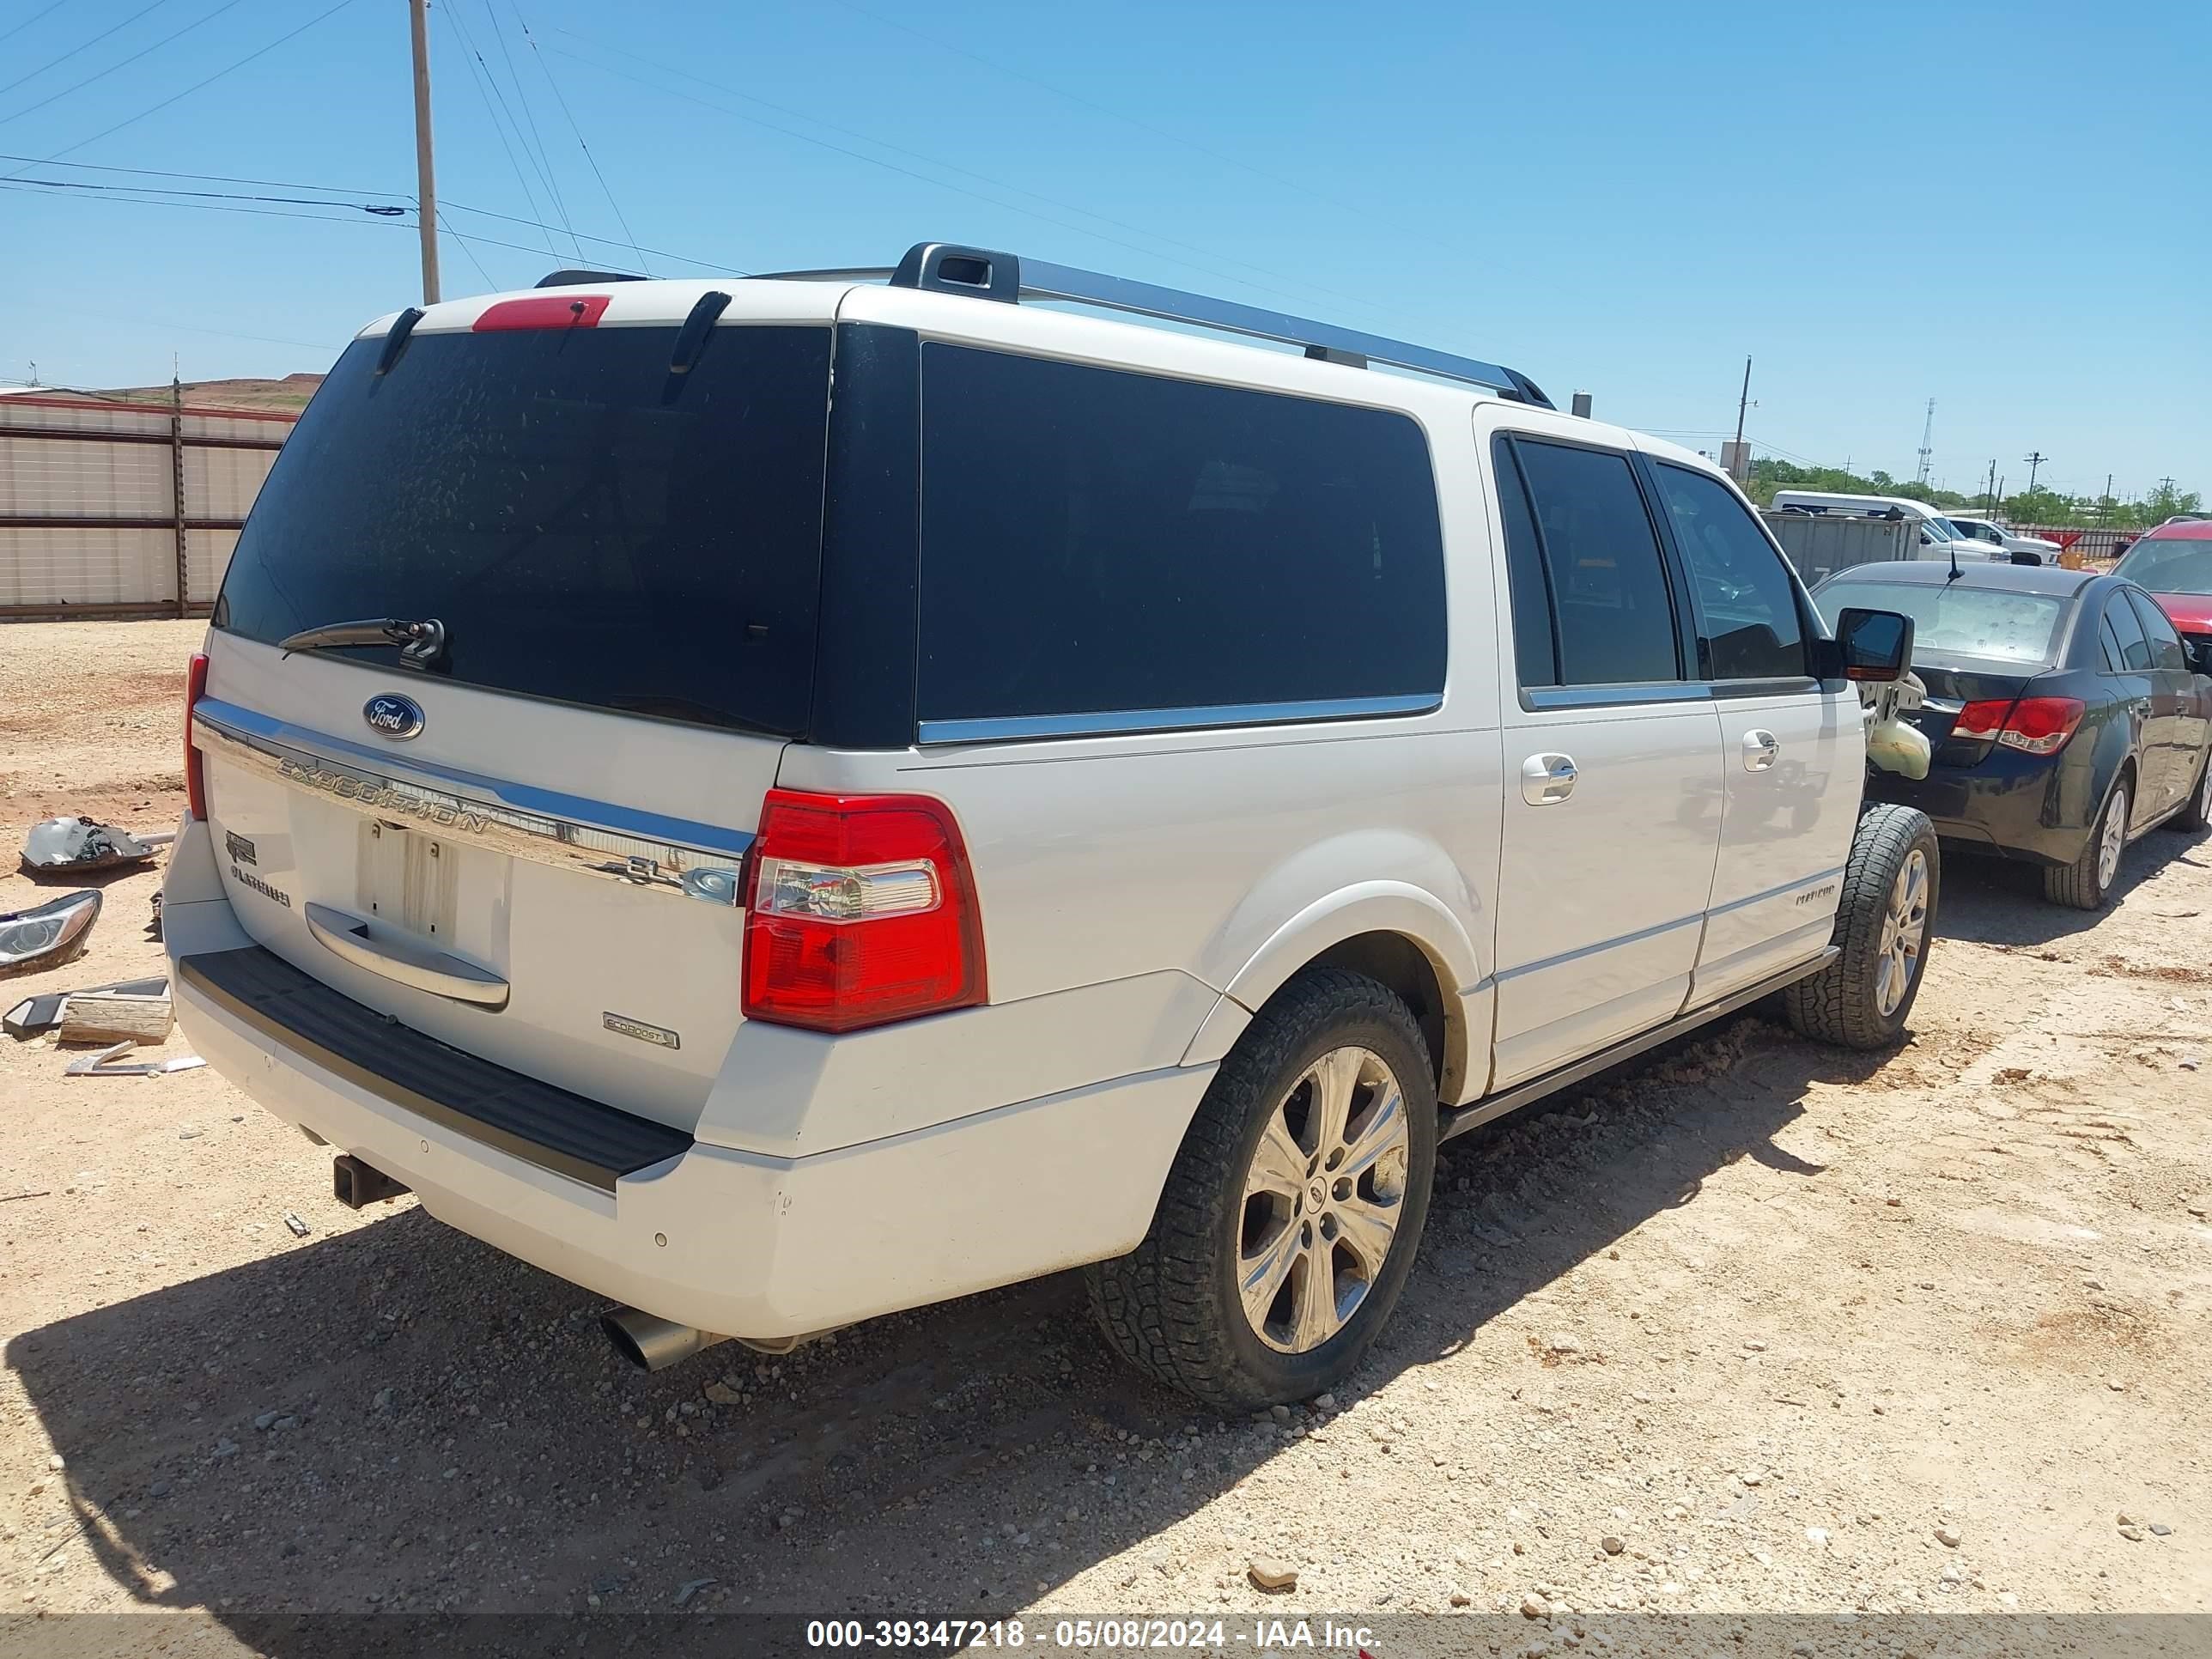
(2006, 208)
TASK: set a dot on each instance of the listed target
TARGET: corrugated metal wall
(104, 506)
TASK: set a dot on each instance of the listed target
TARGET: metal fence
(2089, 544)
(123, 509)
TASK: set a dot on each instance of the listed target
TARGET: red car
(2174, 562)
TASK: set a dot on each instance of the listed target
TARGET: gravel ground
(1753, 1325)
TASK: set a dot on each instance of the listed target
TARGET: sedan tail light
(2039, 725)
(862, 910)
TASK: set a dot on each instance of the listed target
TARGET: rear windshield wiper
(421, 643)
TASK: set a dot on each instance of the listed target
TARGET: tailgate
(487, 884)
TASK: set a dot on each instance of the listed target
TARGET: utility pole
(1991, 492)
(425, 190)
(1736, 460)
(2033, 462)
(1927, 437)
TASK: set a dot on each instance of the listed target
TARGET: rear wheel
(2088, 882)
(1861, 999)
(2198, 815)
(1291, 1218)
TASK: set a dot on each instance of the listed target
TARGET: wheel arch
(1392, 932)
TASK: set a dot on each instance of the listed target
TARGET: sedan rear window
(588, 527)
(1951, 621)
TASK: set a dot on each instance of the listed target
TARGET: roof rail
(571, 278)
(985, 274)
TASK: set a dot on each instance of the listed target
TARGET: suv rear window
(1095, 541)
(589, 528)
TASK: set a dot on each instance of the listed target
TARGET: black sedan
(2066, 716)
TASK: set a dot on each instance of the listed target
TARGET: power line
(205, 177)
(35, 17)
(381, 210)
(466, 248)
(11, 182)
(229, 68)
(461, 28)
(522, 96)
(478, 76)
(546, 69)
(56, 63)
(123, 63)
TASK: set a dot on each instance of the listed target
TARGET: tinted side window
(2164, 644)
(1747, 603)
(2115, 656)
(1535, 653)
(1095, 541)
(1616, 618)
(2135, 649)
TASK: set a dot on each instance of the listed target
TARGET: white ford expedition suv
(786, 799)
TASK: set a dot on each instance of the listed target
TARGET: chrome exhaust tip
(651, 1343)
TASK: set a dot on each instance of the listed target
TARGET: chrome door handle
(1547, 780)
(1760, 750)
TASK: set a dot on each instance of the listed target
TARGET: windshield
(2169, 564)
(587, 527)
(1943, 530)
(1951, 621)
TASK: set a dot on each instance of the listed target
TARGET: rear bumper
(2033, 808)
(736, 1242)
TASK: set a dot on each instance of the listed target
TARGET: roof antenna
(1955, 573)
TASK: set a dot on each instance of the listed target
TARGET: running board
(1459, 1119)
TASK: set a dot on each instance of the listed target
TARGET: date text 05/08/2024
(1260, 1636)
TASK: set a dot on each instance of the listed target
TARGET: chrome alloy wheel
(1323, 1200)
(1904, 932)
(2112, 840)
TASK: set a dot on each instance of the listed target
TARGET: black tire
(1172, 1304)
(1841, 1004)
(2081, 883)
(2198, 815)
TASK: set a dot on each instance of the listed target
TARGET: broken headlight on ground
(47, 935)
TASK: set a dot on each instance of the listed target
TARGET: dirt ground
(1751, 1326)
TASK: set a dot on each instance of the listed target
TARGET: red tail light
(195, 768)
(2040, 725)
(862, 911)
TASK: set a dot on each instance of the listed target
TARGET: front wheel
(1883, 926)
(1291, 1218)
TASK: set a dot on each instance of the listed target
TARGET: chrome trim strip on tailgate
(567, 832)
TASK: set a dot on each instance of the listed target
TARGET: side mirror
(1875, 645)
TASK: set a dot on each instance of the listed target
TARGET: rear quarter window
(1099, 541)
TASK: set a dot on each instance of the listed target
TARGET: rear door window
(1614, 606)
(588, 527)
(2165, 648)
(1746, 603)
(1095, 542)
(2135, 648)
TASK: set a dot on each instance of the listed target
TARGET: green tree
(2164, 502)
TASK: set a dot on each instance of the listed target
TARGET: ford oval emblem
(391, 715)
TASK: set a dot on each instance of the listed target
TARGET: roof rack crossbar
(985, 274)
